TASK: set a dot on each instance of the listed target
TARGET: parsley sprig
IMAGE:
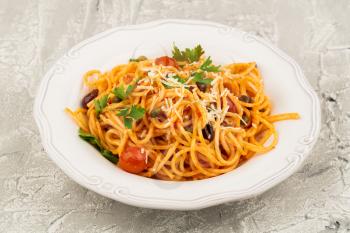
(177, 78)
(199, 77)
(129, 115)
(100, 104)
(91, 139)
(207, 66)
(121, 93)
(189, 55)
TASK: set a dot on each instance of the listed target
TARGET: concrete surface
(35, 196)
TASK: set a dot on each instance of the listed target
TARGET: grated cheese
(225, 92)
(172, 82)
(213, 94)
(145, 87)
(151, 73)
(143, 133)
(223, 115)
(177, 91)
(166, 104)
(169, 107)
(189, 80)
(212, 114)
(216, 79)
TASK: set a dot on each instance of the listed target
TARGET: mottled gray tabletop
(36, 196)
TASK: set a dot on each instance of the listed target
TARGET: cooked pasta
(179, 118)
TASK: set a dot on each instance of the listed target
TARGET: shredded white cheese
(170, 75)
(151, 73)
(213, 113)
(223, 115)
(216, 79)
(177, 91)
(169, 107)
(143, 133)
(172, 82)
(213, 94)
(225, 92)
(189, 80)
(140, 87)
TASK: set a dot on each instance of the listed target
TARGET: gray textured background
(35, 196)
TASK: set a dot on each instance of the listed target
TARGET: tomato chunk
(166, 61)
(231, 106)
(133, 160)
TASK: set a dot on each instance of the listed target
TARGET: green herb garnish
(121, 93)
(136, 112)
(89, 138)
(109, 155)
(206, 66)
(140, 58)
(129, 115)
(180, 80)
(189, 55)
(200, 78)
(128, 122)
(177, 78)
(92, 140)
(100, 104)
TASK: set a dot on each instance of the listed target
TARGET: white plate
(284, 83)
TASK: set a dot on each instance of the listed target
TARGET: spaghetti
(179, 118)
